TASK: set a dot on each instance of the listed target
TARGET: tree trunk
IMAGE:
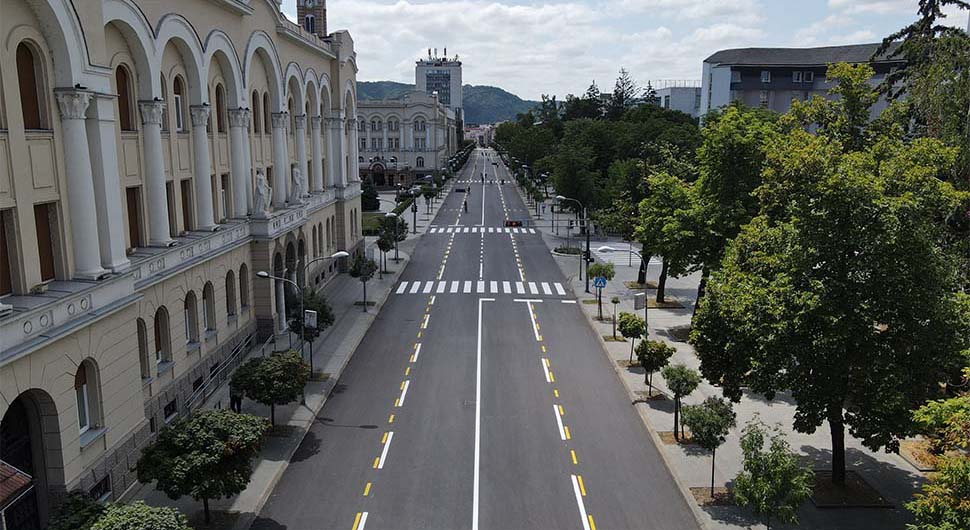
(642, 273)
(676, 417)
(364, 305)
(599, 303)
(614, 321)
(713, 451)
(701, 288)
(272, 414)
(837, 428)
(632, 341)
(205, 508)
(662, 282)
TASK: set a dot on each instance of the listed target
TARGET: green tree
(277, 379)
(942, 502)
(945, 423)
(650, 95)
(140, 516)
(207, 456)
(363, 269)
(385, 243)
(709, 423)
(665, 228)
(772, 482)
(631, 327)
(681, 381)
(615, 301)
(589, 105)
(625, 93)
(78, 511)
(369, 201)
(653, 355)
(312, 301)
(839, 291)
(601, 270)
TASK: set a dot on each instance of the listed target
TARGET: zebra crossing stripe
(414, 287)
(493, 287)
(467, 287)
(532, 288)
(454, 287)
(506, 287)
(519, 288)
(560, 290)
(427, 287)
(480, 288)
(491, 229)
(402, 287)
(441, 287)
(545, 288)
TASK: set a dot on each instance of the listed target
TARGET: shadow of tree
(263, 523)
(309, 447)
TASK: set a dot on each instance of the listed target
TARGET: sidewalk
(331, 353)
(894, 478)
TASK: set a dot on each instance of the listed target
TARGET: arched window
(86, 392)
(309, 23)
(267, 122)
(191, 318)
(178, 106)
(419, 162)
(220, 108)
(256, 114)
(230, 293)
(167, 106)
(123, 82)
(313, 242)
(361, 125)
(32, 90)
(163, 350)
(143, 362)
(243, 285)
(327, 235)
(209, 307)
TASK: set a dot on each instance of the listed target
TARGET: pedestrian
(235, 399)
(466, 206)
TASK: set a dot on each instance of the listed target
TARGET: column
(281, 168)
(384, 139)
(280, 307)
(338, 174)
(353, 171)
(316, 183)
(239, 160)
(107, 188)
(204, 219)
(408, 135)
(155, 196)
(300, 139)
(367, 136)
(73, 105)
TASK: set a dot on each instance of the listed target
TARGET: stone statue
(263, 196)
(298, 187)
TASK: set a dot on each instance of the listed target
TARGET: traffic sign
(310, 318)
(599, 282)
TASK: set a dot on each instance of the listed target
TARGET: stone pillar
(300, 151)
(368, 131)
(107, 187)
(280, 307)
(338, 173)
(281, 166)
(316, 183)
(407, 141)
(353, 172)
(239, 160)
(204, 219)
(155, 196)
(384, 138)
(73, 105)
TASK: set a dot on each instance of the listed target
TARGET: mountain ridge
(481, 103)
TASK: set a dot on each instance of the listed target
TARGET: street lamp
(586, 221)
(396, 225)
(607, 249)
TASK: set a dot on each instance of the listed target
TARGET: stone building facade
(153, 157)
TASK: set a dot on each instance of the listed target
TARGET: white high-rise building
(441, 75)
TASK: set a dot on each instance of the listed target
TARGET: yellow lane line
(572, 452)
(407, 371)
(390, 419)
(367, 489)
(566, 428)
(582, 487)
(376, 461)
(555, 392)
(356, 521)
(592, 525)
(384, 438)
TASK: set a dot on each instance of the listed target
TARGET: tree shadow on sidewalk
(263, 523)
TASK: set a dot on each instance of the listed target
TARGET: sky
(559, 47)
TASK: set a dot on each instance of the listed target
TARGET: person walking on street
(235, 399)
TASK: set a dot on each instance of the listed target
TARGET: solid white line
(559, 289)
(519, 288)
(424, 325)
(569, 301)
(579, 502)
(545, 369)
(546, 289)
(432, 300)
(402, 287)
(532, 288)
(404, 392)
(493, 287)
(417, 351)
(427, 287)
(481, 268)
(414, 287)
(467, 287)
(532, 315)
(480, 287)
(506, 287)
(441, 287)
(363, 520)
(562, 433)
(478, 414)
(454, 287)
(387, 445)
(483, 206)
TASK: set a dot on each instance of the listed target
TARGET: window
(163, 351)
(796, 77)
(190, 317)
(419, 162)
(735, 76)
(32, 90)
(267, 122)
(243, 285)
(187, 220)
(45, 239)
(363, 144)
(197, 384)
(220, 108)
(179, 106)
(765, 76)
(809, 77)
(170, 410)
(167, 106)
(133, 206)
(209, 307)
(81, 392)
(313, 242)
(146, 371)
(230, 293)
(309, 24)
(763, 98)
(256, 114)
(102, 490)
(666, 102)
(123, 87)
(395, 143)
(225, 195)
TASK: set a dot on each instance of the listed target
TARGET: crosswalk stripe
(467, 287)
(480, 287)
(491, 229)
(402, 287)
(519, 288)
(506, 287)
(560, 290)
(465, 230)
(493, 287)
(454, 287)
(532, 288)
(414, 287)
(441, 287)
(427, 287)
(546, 289)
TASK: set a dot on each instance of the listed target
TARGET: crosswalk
(480, 230)
(481, 287)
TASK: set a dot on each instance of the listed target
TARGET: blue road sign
(599, 281)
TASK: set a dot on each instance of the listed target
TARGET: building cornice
(239, 7)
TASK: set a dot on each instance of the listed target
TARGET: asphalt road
(479, 399)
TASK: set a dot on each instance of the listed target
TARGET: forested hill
(482, 104)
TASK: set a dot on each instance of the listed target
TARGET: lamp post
(267, 276)
(606, 249)
(586, 221)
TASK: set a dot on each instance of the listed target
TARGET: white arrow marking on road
(579, 502)
(387, 445)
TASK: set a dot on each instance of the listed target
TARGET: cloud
(880, 7)
(730, 11)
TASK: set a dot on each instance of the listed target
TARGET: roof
(854, 53)
(12, 482)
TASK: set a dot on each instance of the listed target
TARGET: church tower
(312, 15)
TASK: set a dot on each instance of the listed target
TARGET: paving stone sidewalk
(894, 478)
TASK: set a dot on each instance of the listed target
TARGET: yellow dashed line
(555, 392)
(377, 460)
(592, 525)
(552, 378)
(356, 521)
(407, 371)
(582, 488)
(561, 411)
(566, 429)
(384, 438)
(402, 386)
(367, 489)
(572, 453)
(390, 419)
(543, 348)
(396, 401)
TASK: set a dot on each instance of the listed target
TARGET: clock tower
(312, 15)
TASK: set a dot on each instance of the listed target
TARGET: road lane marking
(481, 269)
(506, 287)
(478, 415)
(415, 287)
(407, 371)
(402, 287)
(566, 428)
(480, 287)
(467, 287)
(404, 393)
(367, 489)
(582, 487)
(427, 287)
(441, 287)
(377, 459)
(572, 453)
(532, 288)
(561, 411)
(535, 325)
(562, 429)
(454, 287)
(424, 325)
(592, 525)
(559, 289)
(387, 445)
(432, 301)
(568, 301)
(519, 288)
(546, 289)
(579, 502)
(493, 287)
(555, 392)
(359, 521)
(545, 370)
(417, 350)
(390, 419)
